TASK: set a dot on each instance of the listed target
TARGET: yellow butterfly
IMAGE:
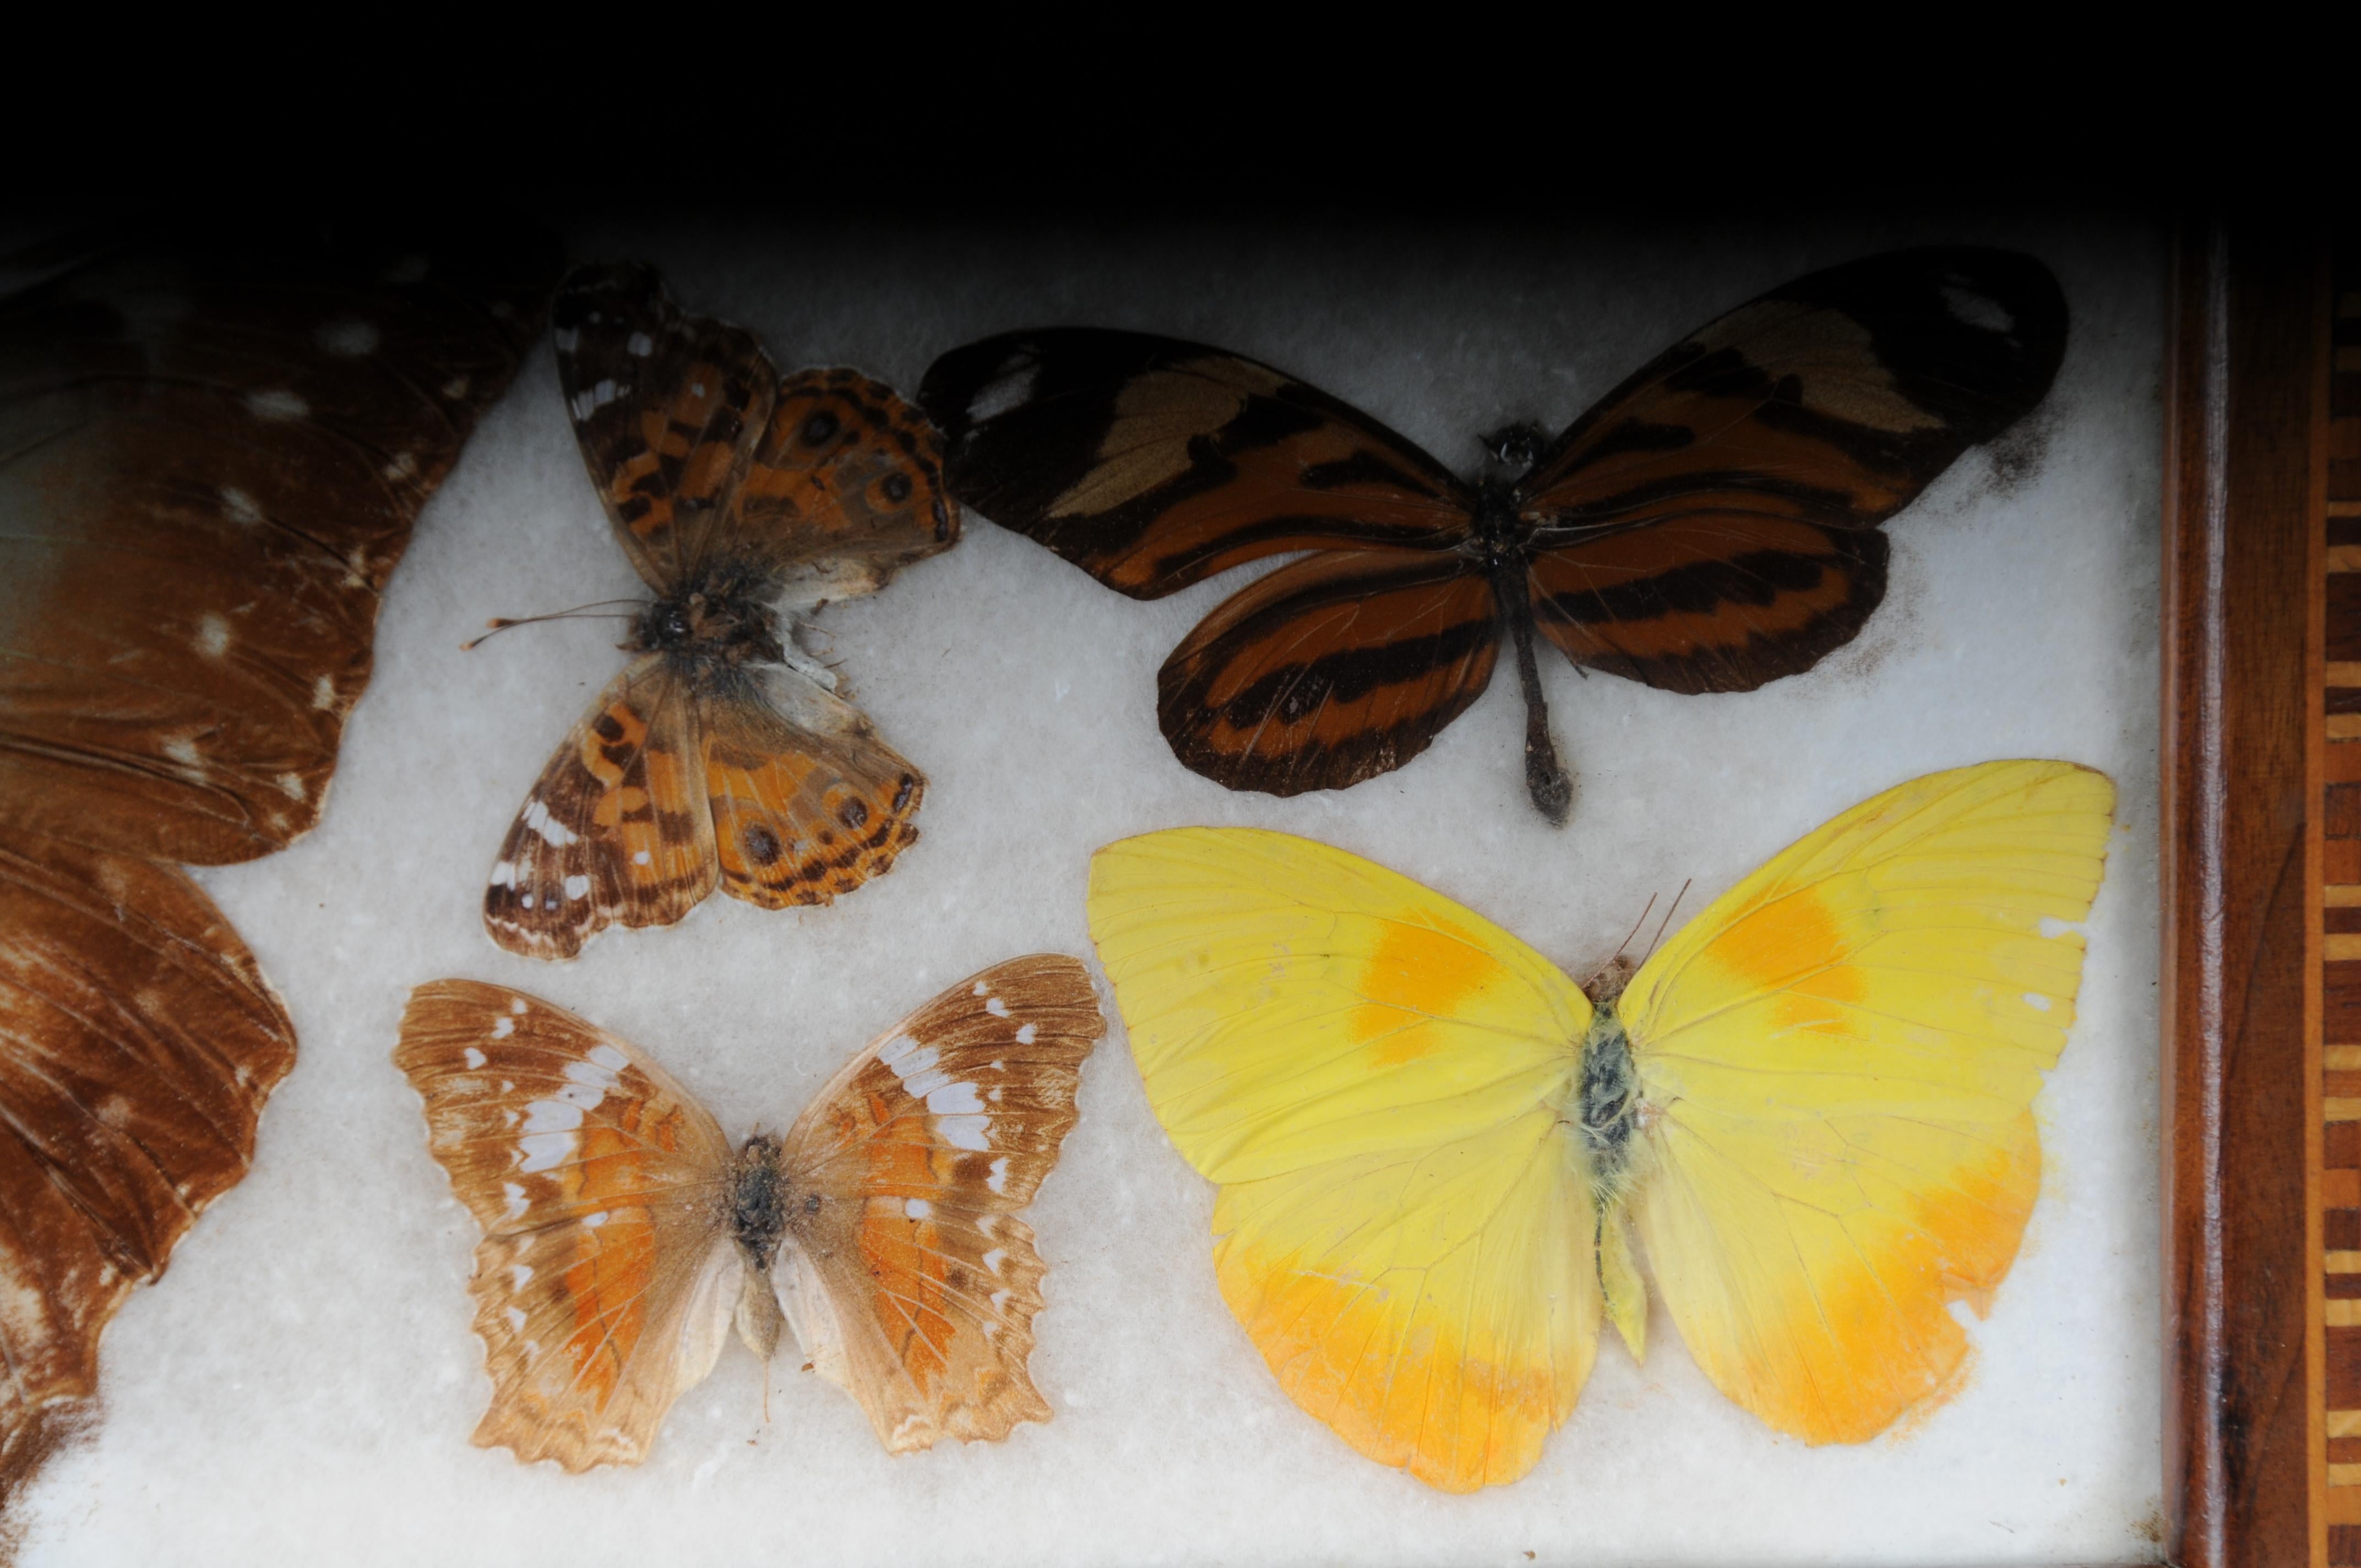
(1814, 1104)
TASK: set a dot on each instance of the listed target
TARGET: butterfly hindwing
(1707, 526)
(1373, 1075)
(808, 803)
(604, 1283)
(1333, 669)
(666, 408)
(141, 1042)
(617, 828)
(1152, 463)
(1845, 1048)
(908, 1278)
(1709, 601)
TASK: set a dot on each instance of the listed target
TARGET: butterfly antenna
(592, 611)
(1666, 921)
(1635, 928)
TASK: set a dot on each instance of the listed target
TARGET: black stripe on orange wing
(1152, 463)
(1331, 670)
(1838, 396)
(1711, 601)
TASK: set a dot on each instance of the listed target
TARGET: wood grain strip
(2241, 865)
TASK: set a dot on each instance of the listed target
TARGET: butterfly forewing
(666, 408)
(1331, 670)
(617, 828)
(845, 489)
(1709, 525)
(1152, 463)
(808, 803)
(141, 1041)
(908, 1278)
(211, 454)
(605, 1278)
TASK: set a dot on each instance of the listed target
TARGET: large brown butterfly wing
(140, 1042)
(209, 459)
(1709, 524)
(1152, 463)
(906, 1276)
(606, 1279)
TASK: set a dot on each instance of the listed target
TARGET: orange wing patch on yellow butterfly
(617, 829)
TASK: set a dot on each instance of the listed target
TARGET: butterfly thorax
(1606, 1107)
(1502, 537)
(758, 1199)
(722, 622)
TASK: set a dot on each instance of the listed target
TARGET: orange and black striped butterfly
(1710, 525)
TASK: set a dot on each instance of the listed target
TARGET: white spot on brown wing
(349, 338)
(918, 1208)
(577, 886)
(515, 1315)
(1025, 1036)
(553, 833)
(981, 988)
(997, 1007)
(456, 388)
(183, 751)
(291, 786)
(475, 1058)
(324, 694)
(998, 1179)
(516, 1004)
(519, 1275)
(638, 857)
(504, 875)
(971, 1133)
(503, 1028)
(277, 405)
(213, 636)
(994, 1258)
(518, 1202)
(641, 344)
(593, 1221)
(404, 466)
(239, 507)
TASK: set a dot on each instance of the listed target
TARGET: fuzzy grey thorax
(757, 1201)
(1605, 1105)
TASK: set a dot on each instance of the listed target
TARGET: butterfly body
(1711, 524)
(723, 756)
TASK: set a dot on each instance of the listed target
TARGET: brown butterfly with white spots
(213, 442)
(622, 1237)
(722, 754)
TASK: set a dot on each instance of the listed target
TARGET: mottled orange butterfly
(722, 754)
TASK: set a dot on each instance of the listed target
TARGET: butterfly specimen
(1709, 525)
(622, 1235)
(1812, 1103)
(211, 450)
(722, 753)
